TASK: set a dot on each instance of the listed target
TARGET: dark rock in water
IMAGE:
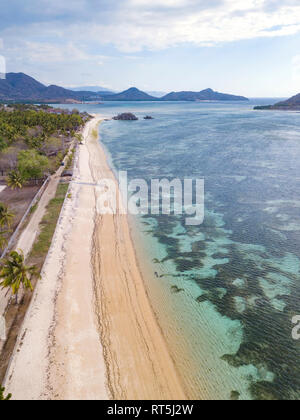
(175, 289)
(235, 396)
(201, 299)
(125, 117)
(261, 303)
(148, 117)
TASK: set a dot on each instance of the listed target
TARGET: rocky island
(127, 116)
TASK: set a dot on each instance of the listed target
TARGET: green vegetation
(48, 225)
(70, 160)
(33, 208)
(79, 137)
(15, 180)
(2, 396)
(3, 238)
(34, 140)
(32, 165)
(14, 273)
(17, 121)
(6, 216)
(6, 219)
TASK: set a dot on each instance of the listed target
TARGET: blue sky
(247, 47)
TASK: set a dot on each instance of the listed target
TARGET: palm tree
(15, 273)
(6, 216)
(79, 137)
(15, 180)
(2, 396)
(3, 239)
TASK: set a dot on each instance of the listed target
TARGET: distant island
(292, 104)
(19, 87)
(204, 95)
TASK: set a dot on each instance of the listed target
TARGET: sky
(244, 47)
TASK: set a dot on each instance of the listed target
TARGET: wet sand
(138, 361)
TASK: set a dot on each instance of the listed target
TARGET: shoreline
(90, 331)
(124, 305)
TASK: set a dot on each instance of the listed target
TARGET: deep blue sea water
(224, 292)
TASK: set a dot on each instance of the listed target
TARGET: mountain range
(95, 89)
(132, 94)
(19, 87)
(99, 90)
(104, 91)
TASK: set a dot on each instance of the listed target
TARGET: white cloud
(135, 25)
(159, 3)
(45, 52)
(231, 20)
(2, 67)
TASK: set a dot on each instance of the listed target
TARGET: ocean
(224, 292)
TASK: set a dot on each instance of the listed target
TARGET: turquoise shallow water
(225, 292)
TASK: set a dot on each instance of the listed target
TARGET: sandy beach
(90, 332)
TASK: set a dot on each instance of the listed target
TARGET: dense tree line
(16, 123)
(33, 140)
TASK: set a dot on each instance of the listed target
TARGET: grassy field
(47, 228)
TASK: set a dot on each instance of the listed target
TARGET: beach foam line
(139, 365)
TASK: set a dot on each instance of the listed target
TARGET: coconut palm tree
(3, 238)
(15, 180)
(15, 273)
(79, 137)
(6, 216)
(2, 396)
